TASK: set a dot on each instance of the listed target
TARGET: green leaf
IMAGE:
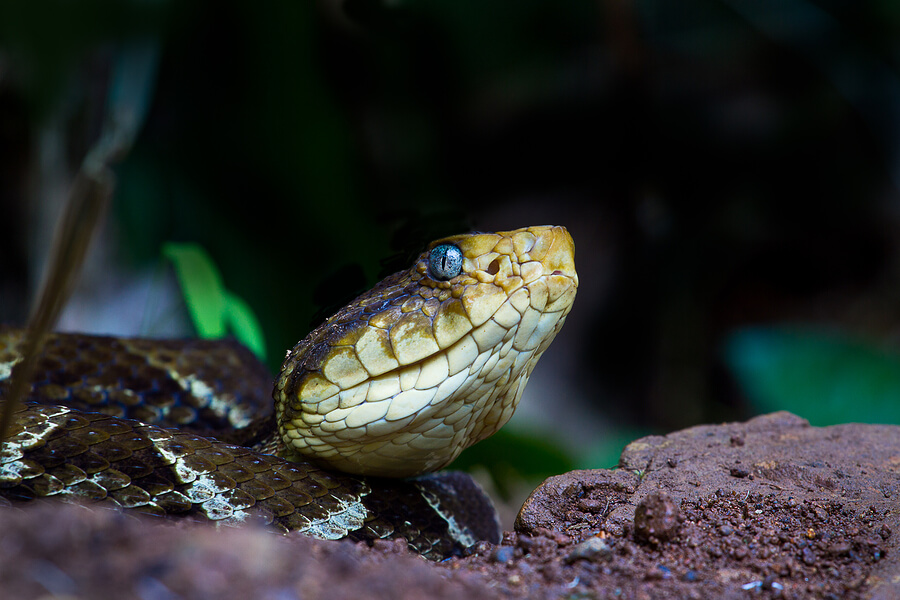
(214, 310)
(244, 325)
(828, 378)
(201, 284)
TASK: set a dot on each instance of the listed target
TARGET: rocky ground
(770, 508)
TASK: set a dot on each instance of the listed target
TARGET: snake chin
(408, 375)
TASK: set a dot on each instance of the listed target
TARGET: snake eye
(445, 262)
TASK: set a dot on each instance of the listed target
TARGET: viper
(367, 407)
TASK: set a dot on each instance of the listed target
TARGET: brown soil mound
(770, 508)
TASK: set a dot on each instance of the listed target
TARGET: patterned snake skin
(396, 384)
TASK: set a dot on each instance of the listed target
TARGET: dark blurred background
(729, 170)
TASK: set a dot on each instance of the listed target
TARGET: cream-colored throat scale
(432, 359)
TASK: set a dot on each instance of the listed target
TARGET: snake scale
(388, 390)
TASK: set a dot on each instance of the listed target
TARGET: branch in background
(131, 88)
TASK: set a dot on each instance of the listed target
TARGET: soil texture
(770, 508)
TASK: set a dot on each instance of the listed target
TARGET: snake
(368, 407)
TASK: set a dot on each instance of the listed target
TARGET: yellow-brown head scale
(432, 359)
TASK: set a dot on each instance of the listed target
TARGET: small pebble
(657, 518)
(592, 549)
(502, 555)
(526, 543)
(480, 548)
(592, 505)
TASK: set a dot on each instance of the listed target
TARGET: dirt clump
(727, 545)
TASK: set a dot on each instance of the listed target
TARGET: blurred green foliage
(514, 456)
(215, 311)
(511, 456)
(605, 450)
(828, 378)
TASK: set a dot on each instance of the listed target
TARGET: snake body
(396, 384)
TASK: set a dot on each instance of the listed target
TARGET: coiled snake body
(395, 385)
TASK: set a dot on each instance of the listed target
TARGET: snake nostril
(557, 272)
(494, 267)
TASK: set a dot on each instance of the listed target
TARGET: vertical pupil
(444, 266)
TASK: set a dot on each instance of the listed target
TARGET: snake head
(432, 359)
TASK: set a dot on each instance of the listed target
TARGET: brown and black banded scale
(60, 451)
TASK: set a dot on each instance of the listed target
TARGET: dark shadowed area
(728, 169)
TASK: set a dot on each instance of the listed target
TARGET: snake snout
(558, 261)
